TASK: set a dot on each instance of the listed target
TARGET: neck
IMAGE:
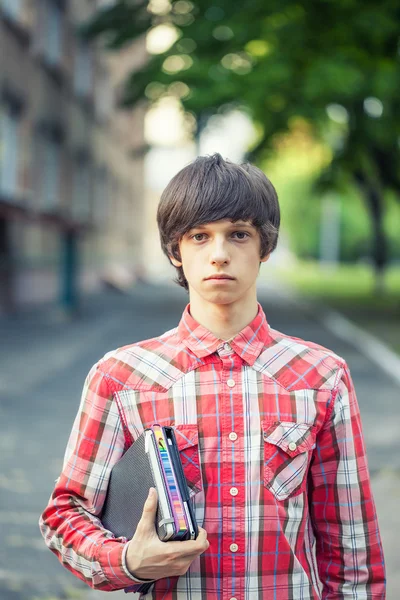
(223, 320)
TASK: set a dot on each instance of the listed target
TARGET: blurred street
(44, 360)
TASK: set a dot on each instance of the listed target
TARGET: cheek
(251, 260)
(190, 262)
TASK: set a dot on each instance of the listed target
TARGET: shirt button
(233, 436)
(233, 547)
(233, 598)
(230, 382)
(234, 491)
(292, 446)
(227, 346)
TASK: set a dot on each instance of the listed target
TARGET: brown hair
(210, 189)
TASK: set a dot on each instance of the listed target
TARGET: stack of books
(151, 461)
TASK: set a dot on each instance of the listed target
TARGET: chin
(216, 296)
(221, 298)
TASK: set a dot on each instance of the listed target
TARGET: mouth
(220, 278)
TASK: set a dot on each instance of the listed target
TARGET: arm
(348, 546)
(69, 523)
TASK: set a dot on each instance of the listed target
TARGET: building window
(51, 171)
(12, 8)
(83, 69)
(101, 197)
(104, 96)
(53, 33)
(9, 151)
(81, 191)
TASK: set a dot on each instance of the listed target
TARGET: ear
(174, 261)
(265, 258)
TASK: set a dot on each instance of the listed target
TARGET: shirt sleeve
(348, 546)
(70, 524)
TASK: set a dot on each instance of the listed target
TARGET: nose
(219, 252)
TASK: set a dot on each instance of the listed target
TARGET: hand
(147, 557)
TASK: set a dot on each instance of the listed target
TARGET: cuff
(127, 570)
(111, 559)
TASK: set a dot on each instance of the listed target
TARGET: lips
(219, 277)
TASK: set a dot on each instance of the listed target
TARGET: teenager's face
(221, 248)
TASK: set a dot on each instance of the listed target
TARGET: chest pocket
(187, 439)
(287, 454)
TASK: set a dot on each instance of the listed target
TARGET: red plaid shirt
(270, 437)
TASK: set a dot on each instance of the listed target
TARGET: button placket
(234, 471)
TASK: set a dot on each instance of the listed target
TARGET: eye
(240, 234)
(196, 236)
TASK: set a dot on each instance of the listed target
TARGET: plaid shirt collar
(248, 343)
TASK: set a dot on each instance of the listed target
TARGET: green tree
(334, 63)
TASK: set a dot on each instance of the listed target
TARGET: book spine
(172, 484)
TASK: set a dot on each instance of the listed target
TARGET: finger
(149, 509)
(202, 531)
(192, 547)
(202, 536)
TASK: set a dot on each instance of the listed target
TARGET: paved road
(44, 360)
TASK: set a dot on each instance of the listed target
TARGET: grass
(346, 284)
(350, 289)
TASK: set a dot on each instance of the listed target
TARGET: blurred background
(101, 103)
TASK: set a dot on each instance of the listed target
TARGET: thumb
(150, 507)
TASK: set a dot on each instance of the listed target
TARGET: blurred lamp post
(330, 231)
(69, 272)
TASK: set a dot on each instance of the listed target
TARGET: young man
(268, 428)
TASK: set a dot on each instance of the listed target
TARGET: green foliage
(334, 63)
(355, 230)
(301, 219)
(392, 226)
(278, 59)
(294, 169)
(300, 215)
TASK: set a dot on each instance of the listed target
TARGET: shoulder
(300, 364)
(145, 364)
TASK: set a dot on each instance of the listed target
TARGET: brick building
(71, 162)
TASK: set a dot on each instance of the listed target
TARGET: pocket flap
(187, 439)
(186, 435)
(291, 437)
